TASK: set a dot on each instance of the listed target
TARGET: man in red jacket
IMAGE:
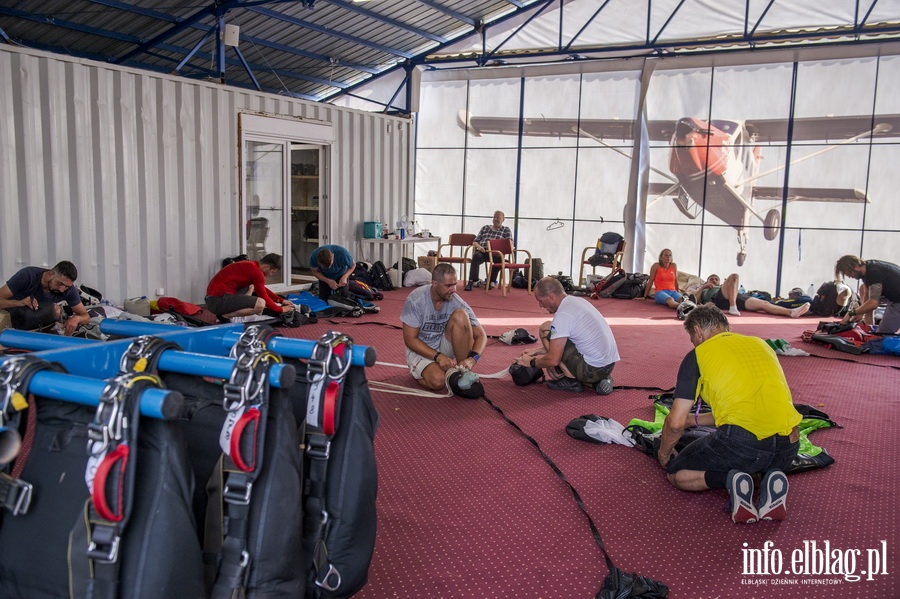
(239, 289)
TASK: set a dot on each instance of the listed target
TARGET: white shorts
(417, 364)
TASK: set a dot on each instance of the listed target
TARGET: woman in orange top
(663, 279)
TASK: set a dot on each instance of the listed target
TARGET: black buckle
(318, 450)
(104, 544)
(237, 490)
(15, 494)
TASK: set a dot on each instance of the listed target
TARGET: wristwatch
(474, 355)
(436, 354)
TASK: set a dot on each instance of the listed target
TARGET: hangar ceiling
(322, 49)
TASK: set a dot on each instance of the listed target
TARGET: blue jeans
(734, 448)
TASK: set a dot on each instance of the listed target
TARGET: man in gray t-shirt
(440, 330)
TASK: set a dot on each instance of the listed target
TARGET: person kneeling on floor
(741, 380)
(440, 330)
(239, 289)
(577, 346)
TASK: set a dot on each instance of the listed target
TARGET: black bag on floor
(536, 272)
(380, 278)
(632, 287)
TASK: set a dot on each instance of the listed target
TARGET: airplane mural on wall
(714, 165)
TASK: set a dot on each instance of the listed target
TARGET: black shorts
(734, 448)
(226, 304)
(721, 302)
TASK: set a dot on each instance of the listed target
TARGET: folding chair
(504, 248)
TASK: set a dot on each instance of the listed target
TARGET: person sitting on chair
(882, 282)
(663, 276)
(577, 346)
(726, 297)
(239, 289)
(31, 297)
(495, 230)
(741, 379)
(440, 330)
(332, 265)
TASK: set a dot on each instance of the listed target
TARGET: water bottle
(811, 290)
(742, 290)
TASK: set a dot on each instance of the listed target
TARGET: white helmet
(683, 309)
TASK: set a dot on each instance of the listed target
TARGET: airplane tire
(772, 224)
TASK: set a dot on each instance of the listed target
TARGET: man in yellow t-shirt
(739, 377)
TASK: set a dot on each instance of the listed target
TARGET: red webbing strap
(251, 418)
(119, 456)
(27, 440)
(332, 394)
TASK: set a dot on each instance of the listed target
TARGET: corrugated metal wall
(134, 176)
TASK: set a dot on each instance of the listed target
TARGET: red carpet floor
(468, 509)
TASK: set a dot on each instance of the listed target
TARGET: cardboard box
(428, 262)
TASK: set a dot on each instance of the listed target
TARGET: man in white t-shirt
(578, 347)
(440, 330)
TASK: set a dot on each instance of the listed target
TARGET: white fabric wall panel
(134, 176)
(723, 220)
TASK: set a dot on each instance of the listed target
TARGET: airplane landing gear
(742, 241)
(772, 224)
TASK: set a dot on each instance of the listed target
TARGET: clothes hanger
(556, 225)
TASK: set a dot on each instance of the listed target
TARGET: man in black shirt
(31, 297)
(882, 283)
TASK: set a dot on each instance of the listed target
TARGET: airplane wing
(812, 194)
(765, 130)
(825, 128)
(541, 127)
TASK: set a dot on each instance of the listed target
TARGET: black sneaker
(740, 489)
(604, 387)
(565, 384)
(468, 286)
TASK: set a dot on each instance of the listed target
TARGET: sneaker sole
(775, 488)
(740, 489)
(571, 389)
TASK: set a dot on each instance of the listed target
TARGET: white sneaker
(249, 318)
(734, 311)
(800, 310)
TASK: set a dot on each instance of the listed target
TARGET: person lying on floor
(440, 330)
(741, 380)
(726, 297)
(577, 346)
